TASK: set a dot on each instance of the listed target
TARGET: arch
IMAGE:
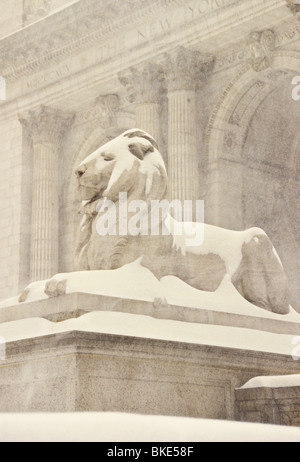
(240, 98)
(227, 128)
(225, 136)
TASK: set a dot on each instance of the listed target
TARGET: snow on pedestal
(117, 427)
(276, 381)
(145, 341)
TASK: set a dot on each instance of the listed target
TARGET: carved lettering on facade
(153, 29)
(232, 59)
(292, 32)
(110, 49)
(199, 7)
(50, 76)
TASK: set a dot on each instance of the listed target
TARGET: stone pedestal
(84, 370)
(280, 406)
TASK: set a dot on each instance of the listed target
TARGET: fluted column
(144, 84)
(47, 127)
(185, 69)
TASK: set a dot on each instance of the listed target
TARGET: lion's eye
(108, 158)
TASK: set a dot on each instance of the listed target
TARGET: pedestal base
(84, 352)
(85, 371)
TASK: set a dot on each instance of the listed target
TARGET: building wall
(11, 18)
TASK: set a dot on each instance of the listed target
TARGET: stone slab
(85, 371)
(280, 406)
(75, 304)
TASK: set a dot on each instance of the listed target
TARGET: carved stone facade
(261, 44)
(35, 10)
(294, 6)
(279, 406)
(211, 81)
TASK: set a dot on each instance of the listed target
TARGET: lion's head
(130, 163)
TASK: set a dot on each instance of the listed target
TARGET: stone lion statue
(131, 164)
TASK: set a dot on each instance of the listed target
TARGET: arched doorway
(253, 151)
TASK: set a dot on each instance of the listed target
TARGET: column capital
(185, 68)
(261, 45)
(46, 124)
(144, 83)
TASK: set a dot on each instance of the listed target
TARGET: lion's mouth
(91, 194)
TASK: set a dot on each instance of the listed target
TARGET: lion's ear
(140, 150)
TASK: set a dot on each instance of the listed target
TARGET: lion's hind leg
(260, 278)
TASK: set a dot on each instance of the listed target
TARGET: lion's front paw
(55, 287)
(23, 296)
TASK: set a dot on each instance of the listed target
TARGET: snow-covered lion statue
(132, 165)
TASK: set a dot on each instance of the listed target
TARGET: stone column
(46, 127)
(185, 69)
(144, 85)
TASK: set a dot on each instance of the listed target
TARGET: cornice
(61, 34)
(285, 34)
(78, 71)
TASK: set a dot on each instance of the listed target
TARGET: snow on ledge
(142, 326)
(275, 381)
(133, 281)
(120, 427)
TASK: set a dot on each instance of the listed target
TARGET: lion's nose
(80, 171)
